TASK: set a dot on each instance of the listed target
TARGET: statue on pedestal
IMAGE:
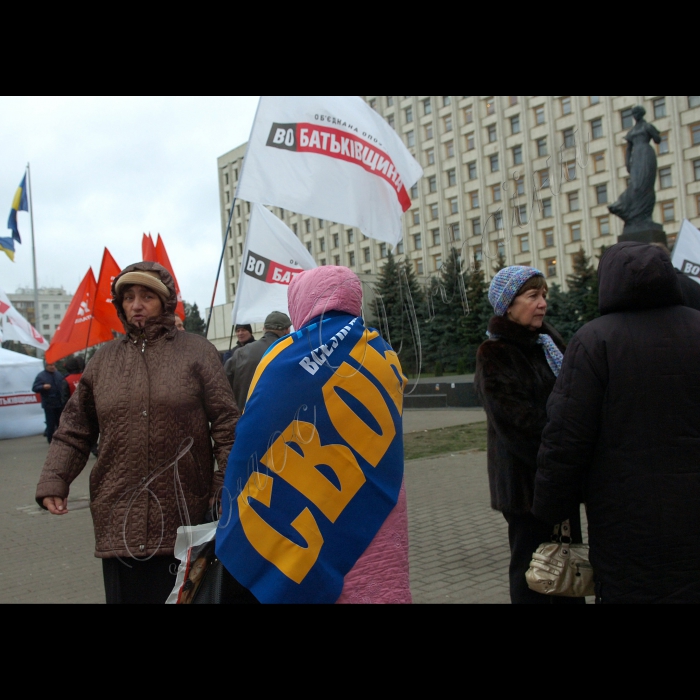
(636, 204)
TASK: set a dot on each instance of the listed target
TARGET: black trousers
(138, 581)
(53, 416)
(525, 534)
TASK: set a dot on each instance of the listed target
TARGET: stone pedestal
(649, 232)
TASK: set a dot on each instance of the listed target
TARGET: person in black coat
(624, 429)
(515, 373)
(50, 385)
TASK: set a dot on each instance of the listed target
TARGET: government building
(525, 177)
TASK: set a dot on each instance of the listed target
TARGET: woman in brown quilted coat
(164, 411)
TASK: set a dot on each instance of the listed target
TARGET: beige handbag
(561, 568)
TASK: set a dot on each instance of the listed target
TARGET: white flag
(273, 256)
(16, 327)
(686, 252)
(333, 158)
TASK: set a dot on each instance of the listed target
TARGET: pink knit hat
(315, 292)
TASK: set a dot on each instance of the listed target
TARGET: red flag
(148, 249)
(104, 310)
(78, 329)
(163, 259)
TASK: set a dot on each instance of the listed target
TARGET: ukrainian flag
(19, 203)
(7, 246)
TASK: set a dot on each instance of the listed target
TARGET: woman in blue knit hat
(516, 369)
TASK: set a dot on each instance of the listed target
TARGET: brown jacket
(145, 395)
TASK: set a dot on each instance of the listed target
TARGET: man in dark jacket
(50, 384)
(624, 433)
(246, 360)
(244, 333)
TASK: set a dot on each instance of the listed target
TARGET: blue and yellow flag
(19, 203)
(7, 246)
(317, 465)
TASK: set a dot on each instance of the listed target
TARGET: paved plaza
(459, 546)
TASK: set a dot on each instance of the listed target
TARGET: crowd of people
(308, 426)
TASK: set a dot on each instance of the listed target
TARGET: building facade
(53, 304)
(525, 177)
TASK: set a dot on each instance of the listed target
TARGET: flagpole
(31, 221)
(221, 262)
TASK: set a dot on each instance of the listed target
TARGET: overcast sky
(105, 170)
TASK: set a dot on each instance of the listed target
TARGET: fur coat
(513, 382)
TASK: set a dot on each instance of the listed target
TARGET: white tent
(20, 409)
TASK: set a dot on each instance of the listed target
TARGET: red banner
(163, 259)
(104, 310)
(79, 329)
(148, 248)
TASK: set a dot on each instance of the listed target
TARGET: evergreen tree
(583, 289)
(500, 263)
(480, 311)
(193, 321)
(398, 310)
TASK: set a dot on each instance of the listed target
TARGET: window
(697, 201)
(566, 105)
(410, 139)
(409, 115)
(436, 236)
(660, 108)
(454, 205)
(515, 124)
(574, 201)
(429, 132)
(419, 267)
(416, 218)
(451, 178)
(522, 213)
(468, 115)
(569, 138)
(665, 178)
(322, 245)
(391, 120)
(594, 100)
(307, 225)
(373, 103)
(478, 254)
(418, 242)
(518, 155)
(414, 191)
(309, 247)
(550, 266)
(389, 101)
(476, 226)
(664, 146)
(496, 193)
(597, 128)
(498, 220)
(604, 225)
(696, 169)
(367, 254)
(427, 106)
(571, 171)
(448, 123)
(430, 156)
(492, 133)
(539, 115)
(547, 207)
(668, 211)
(524, 244)
(351, 236)
(472, 171)
(437, 262)
(323, 262)
(695, 134)
(548, 236)
(320, 223)
(599, 162)
(513, 100)
(575, 230)
(446, 101)
(470, 142)
(336, 260)
(495, 166)
(351, 260)
(336, 240)
(399, 248)
(694, 101)
(542, 146)
(456, 232)
(382, 250)
(434, 212)
(490, 107)
(520, 187)
(626, 118)
(601, 193)
(432, 183)
(474, 200)
(450, 149)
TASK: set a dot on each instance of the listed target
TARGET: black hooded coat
(623, 433)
